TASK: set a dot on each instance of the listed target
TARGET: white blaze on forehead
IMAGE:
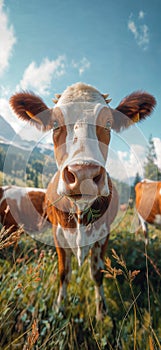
(80, 105)
(81, 141)
(80, 92)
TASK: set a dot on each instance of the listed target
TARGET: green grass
(29, 287)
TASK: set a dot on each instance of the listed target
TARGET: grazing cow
(148, 204)
(81, 199)
(21, 206)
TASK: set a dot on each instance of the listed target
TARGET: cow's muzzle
(84, 180)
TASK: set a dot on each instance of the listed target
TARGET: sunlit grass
(29, 287)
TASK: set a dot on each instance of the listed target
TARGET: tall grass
(29, 286)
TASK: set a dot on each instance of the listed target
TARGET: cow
(22, 206)
(148, 204)
(81, 200)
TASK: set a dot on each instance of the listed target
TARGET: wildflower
(111, 272)
(7, 237)
(33, 336)
(42, 254)
(133, 274)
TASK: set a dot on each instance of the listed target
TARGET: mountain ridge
(6, 130)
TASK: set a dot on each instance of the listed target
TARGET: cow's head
(81, 121)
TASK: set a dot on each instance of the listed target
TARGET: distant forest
(25, 167)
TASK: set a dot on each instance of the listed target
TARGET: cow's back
(21, 206)
(148, 200)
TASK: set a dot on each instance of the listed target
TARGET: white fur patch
(82, 145)
(79, 240)
(16, 193)
(157, 220)
(143, 223)
(147, 181)
(81, 141)
(80, 92)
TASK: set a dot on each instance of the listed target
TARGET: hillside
(6, 130)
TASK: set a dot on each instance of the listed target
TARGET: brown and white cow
(21, 206)
(148, 204)
(81, 200)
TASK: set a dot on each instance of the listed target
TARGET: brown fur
(138, 102)
(148, 200)
(22, 102)
(29, 214)
(61, 210)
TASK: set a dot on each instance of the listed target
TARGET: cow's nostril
(97, 178)
(68, 176)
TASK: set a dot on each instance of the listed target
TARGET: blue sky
(113, 45)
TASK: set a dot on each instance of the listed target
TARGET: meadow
(29, 286)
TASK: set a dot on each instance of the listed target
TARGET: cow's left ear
(31, 108)
(133, 109)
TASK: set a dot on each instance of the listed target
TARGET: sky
(113, 45)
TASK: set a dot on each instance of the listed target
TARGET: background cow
(81, 200)
(148, 204)
(21, 206)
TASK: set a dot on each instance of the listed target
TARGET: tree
(36, 181)
(136, 180)
(38, 166)
(2, 158)
(151, 170)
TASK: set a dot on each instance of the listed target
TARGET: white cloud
(133, 29)
(141, 14)
(140, 32)
(82, 65)
(39, 78)
(157, 144)
(123, 165)
(4, 91)
(7, 39)
(143, 39)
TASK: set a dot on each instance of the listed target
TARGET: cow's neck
(80, 230)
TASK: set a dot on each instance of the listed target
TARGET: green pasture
(29, 285)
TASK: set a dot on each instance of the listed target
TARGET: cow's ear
(132, 109)
(31, 108)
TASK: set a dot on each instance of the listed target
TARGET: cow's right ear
(31, 108)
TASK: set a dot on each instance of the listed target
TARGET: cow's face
(81, 135)
(81, 123)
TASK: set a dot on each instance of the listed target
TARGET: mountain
(6, 130)
(8, 137)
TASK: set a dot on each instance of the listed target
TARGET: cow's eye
(55, 125)
(108, 125)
